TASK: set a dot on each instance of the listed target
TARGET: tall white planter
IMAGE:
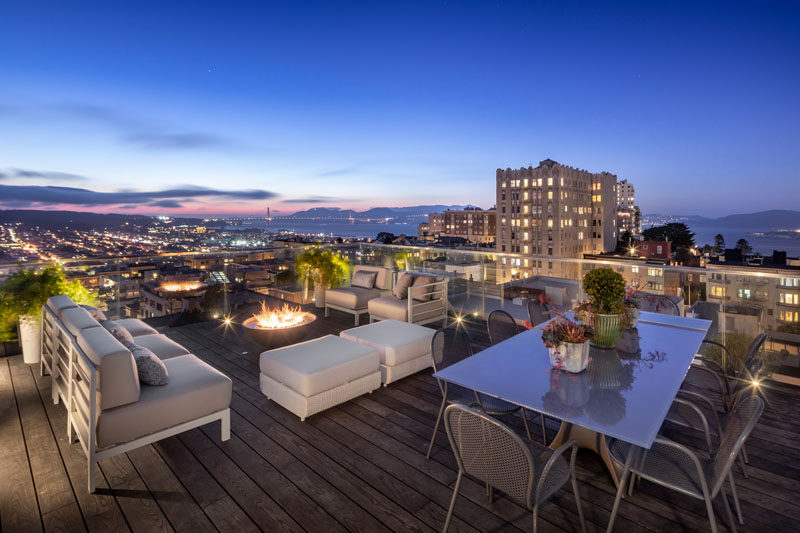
(30, 338)
(319, 295)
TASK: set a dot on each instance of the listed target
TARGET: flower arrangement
(562, 330)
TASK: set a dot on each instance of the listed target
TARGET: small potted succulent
(631, 319)
(568, 343)
(605, 310)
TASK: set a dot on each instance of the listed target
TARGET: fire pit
(273, 328)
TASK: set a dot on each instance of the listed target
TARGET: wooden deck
(360, 466)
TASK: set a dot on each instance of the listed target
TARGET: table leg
(589, 440)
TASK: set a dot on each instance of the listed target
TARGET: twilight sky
(226, 107)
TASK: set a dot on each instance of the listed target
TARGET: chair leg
(544, 430)
(578, 500)
(735, 498)
(452, 502)
(225, 426)
(620, 490)
(525, 423)
(741, 463)
(489, 493)
(744, 454)
(91, 475)
(710, 511)
(436, 427)
(731, 521)
(535, 518)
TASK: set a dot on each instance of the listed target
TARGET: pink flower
(527, 324)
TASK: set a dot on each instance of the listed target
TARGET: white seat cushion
(195, 389)
(389, 307)
(136, 327)
(351, 297)
(319, 365)
(77, 319)
(397, 342)
(161, 345)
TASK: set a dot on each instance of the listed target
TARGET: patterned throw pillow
(401, 287)
(423, 295)
(96, 313)
(150, 368)
(119, 333)
(364, 279)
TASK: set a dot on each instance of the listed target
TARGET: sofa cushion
(319, 365)
(195, 390)
(363, 279)
(119, 332)
(422, 294)
(149, 367)
(388, 307)
(401, 287)
(96, 313)
(58, 304)
(383, 281)
(119, 380)
(161, 345)
(76, 319)
(397, 342)
(351, 297)
(136, 327)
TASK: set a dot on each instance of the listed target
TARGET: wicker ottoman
(404, 348)
(312, 376)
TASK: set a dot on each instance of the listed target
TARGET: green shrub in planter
(606, 291)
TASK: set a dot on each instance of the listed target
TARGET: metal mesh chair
(491, 452)
(449, 346)
(502, 326)
(675, 466)
(658, 303)
(538, 312)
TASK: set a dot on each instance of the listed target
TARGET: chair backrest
(383, 280)
(745, 378)
(501, 326)
(658, 303)
(448, 346)
(755, 346)
(740, 424)
(538, 312)
(489, 451)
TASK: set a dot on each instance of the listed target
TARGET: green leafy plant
(24, 293)
(606, 291)
(322, 267)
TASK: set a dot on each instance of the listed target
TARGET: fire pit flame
(285, 317)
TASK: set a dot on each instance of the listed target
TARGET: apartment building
(553, 210)
(629, 217)
(474, 224)
(626, 197)
(428, 231)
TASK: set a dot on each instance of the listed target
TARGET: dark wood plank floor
(358, 467)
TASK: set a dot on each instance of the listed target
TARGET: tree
(676, 232)
(625, 242)
(744, 246)
(719, 243)
(385, 237)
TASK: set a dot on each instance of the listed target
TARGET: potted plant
(22, 296)
(631, 318)
(606, 291)
(323, 268)
(568, 343)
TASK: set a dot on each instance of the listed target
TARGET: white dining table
(624, 393)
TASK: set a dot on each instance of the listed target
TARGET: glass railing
(171, 289)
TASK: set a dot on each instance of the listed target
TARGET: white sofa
(107, 408)
(354, 300)
(411, 309)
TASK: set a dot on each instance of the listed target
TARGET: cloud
(46, 195)
(314, 200)
(339, 172)
(3, 175)
(42, 174)
(175, 141)
(165, 203)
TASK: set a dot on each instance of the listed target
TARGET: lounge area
(359, 465)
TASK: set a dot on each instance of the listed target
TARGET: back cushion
(422, 294)
(58, 304)
(76, 319)
(364, 279)
(404, 281)
(119, 379)
(383, 280)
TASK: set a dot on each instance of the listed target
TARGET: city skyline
(196, 111)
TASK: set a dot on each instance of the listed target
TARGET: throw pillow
(364, 279)
(151, 369)
(401, 287)
(423, 295)
(119, 332)
(96, 313)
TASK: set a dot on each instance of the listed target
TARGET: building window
(789, 316)
(744, 293)
(653, 271)
(635, 270)
(791, 299)
(718, 291)
(549, 182)
(790, 282)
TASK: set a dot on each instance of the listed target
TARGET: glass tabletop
(624, 393)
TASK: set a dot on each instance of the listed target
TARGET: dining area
(620, 405)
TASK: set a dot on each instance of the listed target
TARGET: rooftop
(358, 466)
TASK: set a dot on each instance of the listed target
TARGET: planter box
(570, 357)
(9, 348)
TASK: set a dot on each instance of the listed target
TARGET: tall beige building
(554, 211)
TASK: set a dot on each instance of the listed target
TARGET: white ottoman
(312, 376)
(404, 348)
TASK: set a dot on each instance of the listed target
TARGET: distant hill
(80, 220)
(773, 219)
(396, 213)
